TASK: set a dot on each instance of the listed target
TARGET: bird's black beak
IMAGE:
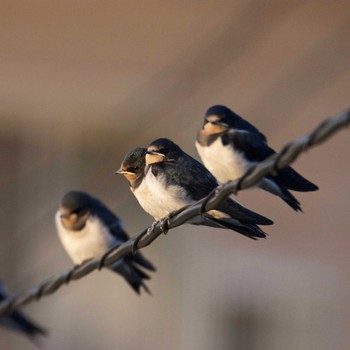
(219, 123)
(65, 215)
(154, 153)
(160, 157)
(120, 172)
(124, 172)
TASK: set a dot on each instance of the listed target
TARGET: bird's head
(217, 120)
(133, 165)
(75, 210)
(162, 150)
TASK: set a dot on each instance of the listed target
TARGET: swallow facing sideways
(87, 229)
(18, 321)
(164, 179)
(228, 145)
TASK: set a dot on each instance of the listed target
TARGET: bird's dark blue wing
(24, 324)
(199, 182)
(117, 231)
(254, 148)
(192, 176)
(17, 320)
(292, 180)
(114, 224)
(242, 124)
(239, 212)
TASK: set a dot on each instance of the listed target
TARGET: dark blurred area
(83, 82)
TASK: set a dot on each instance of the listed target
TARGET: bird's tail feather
(139, 259)
(290, 200)
(26, 325)
(292, 180)
(272, 186)
(239, 212)
(133, 275)
(249, 230)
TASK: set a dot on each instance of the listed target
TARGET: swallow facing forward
(164, 179)
(228, 145)
(19, 321)
(133, 168)
(87, 229)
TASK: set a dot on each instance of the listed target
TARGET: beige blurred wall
(83, 82)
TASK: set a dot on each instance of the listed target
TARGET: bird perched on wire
(87, 229)
(164, 179)
(133, 168)
(18, 321)
(229, 145)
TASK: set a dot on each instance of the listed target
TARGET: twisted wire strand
(288, 154)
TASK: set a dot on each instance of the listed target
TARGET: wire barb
(285, 157)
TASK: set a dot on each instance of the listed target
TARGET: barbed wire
(288, 154)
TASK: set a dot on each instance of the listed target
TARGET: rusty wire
(288, 154)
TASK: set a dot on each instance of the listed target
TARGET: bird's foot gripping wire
(243, 178)
(106, 255)
(210, 196)
(142, 235)
(202, 209)
(164, 225)
(165, 222)
(146, 233)
(280, 155)
(74, 269)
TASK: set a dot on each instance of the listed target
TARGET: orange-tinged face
(133, 166)
(132, 173)
(72, 221)
(153, 156)
(129, 175)
(213, 126)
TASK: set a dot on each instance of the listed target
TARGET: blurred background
(83, 82)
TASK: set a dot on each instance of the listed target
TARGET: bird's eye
(80, 211)
(162, 150)
(133, 169)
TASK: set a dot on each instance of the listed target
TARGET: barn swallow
(18, 321)
(229, 145)
(87, 229)
(169, 179)
(133, 168)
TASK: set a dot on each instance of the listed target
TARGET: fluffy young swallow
(133, 168)
(87, 229)
(18, 321)
(228, 145)
(164, 179)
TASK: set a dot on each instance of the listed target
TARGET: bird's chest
(158, 197)
(224, 162)
(145, 197)
(91, 242)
